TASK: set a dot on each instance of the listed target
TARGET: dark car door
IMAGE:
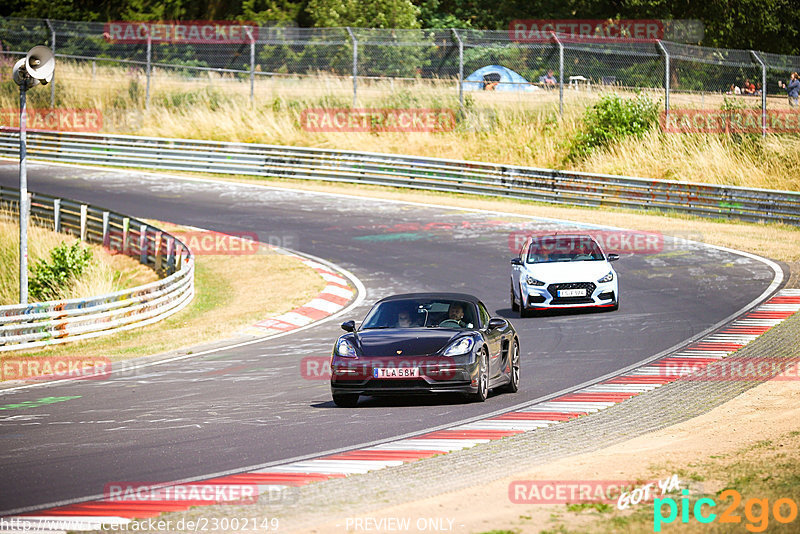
(494, 341)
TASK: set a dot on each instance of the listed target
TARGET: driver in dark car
(456, 313)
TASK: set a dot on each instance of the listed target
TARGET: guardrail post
(560, 74)
(84, 214)
(763, 93)
(126, 227)
(57, 215)
(666, 80)
(53, 48)
(158, 256)
(143, 244)
(355, 64)
(106, 236)
(170, 255)
(460, 68)
(149, 61)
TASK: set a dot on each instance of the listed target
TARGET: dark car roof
(450, 296)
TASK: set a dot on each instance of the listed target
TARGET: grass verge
(504, 128)
(106, 273)
(231, 292)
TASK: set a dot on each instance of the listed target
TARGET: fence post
(666, 80)
(252, 65)
(763, 93)
(460, 68)
(149, 61)
(560, 74)
(57, 215)
(106, 235)
(53, 48)
(355, 64)
(84, 216)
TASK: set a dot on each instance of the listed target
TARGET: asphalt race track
(251, 406)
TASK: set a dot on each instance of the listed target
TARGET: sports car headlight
(607, 278)
(462, 346)
(345, 349)
(533, 281)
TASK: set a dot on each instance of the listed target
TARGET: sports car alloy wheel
(513, 386)
(483, 378)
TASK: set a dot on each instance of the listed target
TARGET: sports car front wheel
(513, 384)
(483, 378)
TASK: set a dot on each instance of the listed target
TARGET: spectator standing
(550, 79)
(792, 88)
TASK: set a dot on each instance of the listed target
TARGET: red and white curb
(90, 515)
(333, 298)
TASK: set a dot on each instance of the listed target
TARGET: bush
(612, 119)
(49, 278)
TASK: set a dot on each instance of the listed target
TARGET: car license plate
(396, 372)
(571, 292)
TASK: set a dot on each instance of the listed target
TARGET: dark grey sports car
(425, 343)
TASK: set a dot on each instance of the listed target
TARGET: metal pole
(53, 48)
(666, 80)
(23, 197)
(252, 66)
(763, 93)
(149, 56)
(460, 68)
(355, 65)
(560, 75)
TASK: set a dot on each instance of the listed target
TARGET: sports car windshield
(557, 249)
(421, 313)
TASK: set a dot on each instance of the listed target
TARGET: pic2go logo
(757, 511)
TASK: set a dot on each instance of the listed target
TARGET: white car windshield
(421, 313)
(550, 249)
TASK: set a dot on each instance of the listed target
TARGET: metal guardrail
(543, 185)
(24, 326)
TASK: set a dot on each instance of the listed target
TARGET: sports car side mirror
(349, 326)
(613, 257)
(516, 261)
(497, 322)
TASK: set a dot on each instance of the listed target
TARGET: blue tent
(507, 78)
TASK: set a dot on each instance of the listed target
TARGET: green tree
(363, 13)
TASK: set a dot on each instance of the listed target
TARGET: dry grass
(521, 129)
(231, 292)
(106, 273)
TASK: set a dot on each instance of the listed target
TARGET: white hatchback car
(563, 271)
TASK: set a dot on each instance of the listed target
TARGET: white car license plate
(396, 372)
(571, 292)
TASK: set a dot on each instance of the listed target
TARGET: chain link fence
(360, 66)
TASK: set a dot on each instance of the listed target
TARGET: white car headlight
(462, 346)
(533, 281)
(607, 278)
(345, 349)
